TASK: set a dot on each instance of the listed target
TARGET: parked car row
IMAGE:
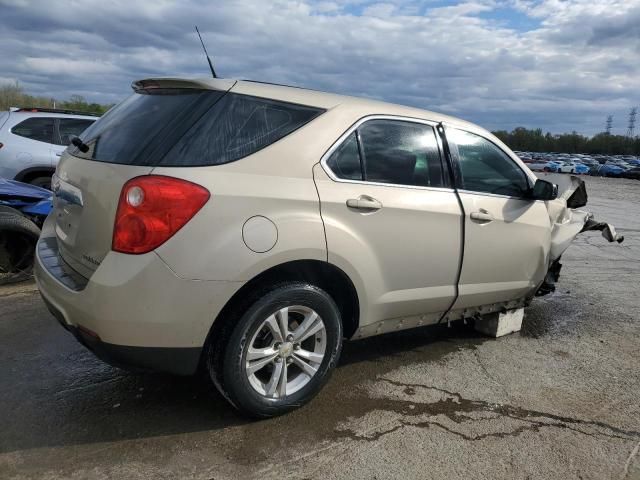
(626, 166)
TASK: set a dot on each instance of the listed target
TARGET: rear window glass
(237, 126)
(36, 128)
(136, 129)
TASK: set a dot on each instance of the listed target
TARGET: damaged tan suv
(248, 228)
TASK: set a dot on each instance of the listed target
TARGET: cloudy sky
(560, 65)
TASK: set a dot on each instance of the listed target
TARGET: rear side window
(237, 126)
(391, 151)
(140, 129)
(400, 152)
(71, 127)
(36, 128)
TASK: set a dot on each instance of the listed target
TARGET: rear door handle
(364, 202)
(482, 216)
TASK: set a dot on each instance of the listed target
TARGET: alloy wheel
(286, 351)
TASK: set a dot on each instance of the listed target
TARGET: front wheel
(281, 351)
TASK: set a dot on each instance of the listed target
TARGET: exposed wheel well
(321, 274)
(29, 174)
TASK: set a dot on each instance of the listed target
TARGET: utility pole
(632, 122)
(609, 124)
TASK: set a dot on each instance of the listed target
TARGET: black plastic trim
(53, 263)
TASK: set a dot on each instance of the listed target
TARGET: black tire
(18, 238)
(225, 361)
(42, 182)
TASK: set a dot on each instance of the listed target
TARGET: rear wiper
(83, 147)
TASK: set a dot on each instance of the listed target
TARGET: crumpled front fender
(567, 221)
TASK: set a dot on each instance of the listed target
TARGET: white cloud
(66, 66)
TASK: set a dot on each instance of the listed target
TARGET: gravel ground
(559, 400)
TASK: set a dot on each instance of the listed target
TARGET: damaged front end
(567, 222)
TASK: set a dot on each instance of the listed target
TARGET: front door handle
(482, 216)
(364, 202)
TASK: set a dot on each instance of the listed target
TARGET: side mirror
(543, 190)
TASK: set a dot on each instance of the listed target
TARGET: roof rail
(53, 110)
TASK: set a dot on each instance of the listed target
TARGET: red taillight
(152, 209)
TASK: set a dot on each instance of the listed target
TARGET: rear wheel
(280, 352)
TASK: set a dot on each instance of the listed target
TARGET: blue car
(23, 209)
(581, 169)
(552, 167)
(610, 170)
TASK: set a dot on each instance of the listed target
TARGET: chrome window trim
(487, 194)
(354, 127)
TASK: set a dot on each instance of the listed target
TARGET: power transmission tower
(609, 124)
(632, 122)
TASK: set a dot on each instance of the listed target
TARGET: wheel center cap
(286, 349)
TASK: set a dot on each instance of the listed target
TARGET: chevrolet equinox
(248, 228)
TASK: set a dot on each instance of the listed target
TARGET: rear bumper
(134, 311)
(179, 361)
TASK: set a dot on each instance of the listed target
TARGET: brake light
(152, 209)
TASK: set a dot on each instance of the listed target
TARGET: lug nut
(278, 359)
(296, 346)
(289, 360)
(289, 338)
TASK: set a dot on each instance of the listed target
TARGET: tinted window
(71, 127)
(237, 126)
(344, 162)
(36, 128)
(401, 153)
(486, 168)
(138, 129)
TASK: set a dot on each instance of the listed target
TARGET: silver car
(249, 228)
(32, 140)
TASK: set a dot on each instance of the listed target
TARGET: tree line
(535, 141)
(13, 95)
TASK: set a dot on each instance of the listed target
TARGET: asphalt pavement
(558, 400)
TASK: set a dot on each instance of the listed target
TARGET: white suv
(32, 140)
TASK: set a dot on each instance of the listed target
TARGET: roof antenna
(213, 72)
